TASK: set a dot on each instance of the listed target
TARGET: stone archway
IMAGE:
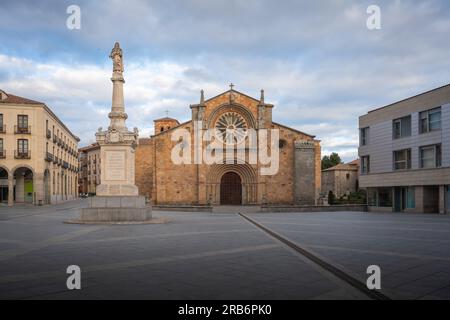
(230, 189)
(248, 177)
(4, 185)
(24, 185)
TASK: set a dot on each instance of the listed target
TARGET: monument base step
(116, 209)
(117, 202)
(116, 214)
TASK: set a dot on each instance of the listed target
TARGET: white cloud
(317, 61)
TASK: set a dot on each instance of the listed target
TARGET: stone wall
(164, 124)
(304, 173)
(144, 167)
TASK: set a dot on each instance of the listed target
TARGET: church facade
(235, 181)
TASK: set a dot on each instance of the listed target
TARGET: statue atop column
(117, 199)
(117, 139)
(116, 56)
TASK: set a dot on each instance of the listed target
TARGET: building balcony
(49, 134)
(22, 130)
(2, 154)
(58, 141)
(22, 154)
(65, 165)
(49, 157)
(3, 128)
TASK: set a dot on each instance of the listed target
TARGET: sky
(317, 61)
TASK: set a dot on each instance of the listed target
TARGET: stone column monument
(117, 196)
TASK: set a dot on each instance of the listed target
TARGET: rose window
(231, 128)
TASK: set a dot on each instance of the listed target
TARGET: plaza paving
(221, 255)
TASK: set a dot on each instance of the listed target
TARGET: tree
(331, 161)
(331, 198)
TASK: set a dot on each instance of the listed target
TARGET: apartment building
(89, 168)
(38, 153)
(405, 154)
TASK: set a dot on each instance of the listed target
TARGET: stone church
(297, 180)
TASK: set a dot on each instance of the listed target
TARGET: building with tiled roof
(341, 179)
(38, 153)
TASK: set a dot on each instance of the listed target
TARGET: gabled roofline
(166, 118)
(298, 131)
(179, 125)
(343, 167)
(245, 95)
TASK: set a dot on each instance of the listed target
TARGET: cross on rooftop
(231, 86)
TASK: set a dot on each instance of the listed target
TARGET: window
(364, 136)
(379, 197)
(365, 164)
(401, 127)
(430, 120)
(384, 197)
(22, 121)
(430, 156)
(1, 146)
(22, 146)
(347, 176)
(402, 159)
(372, 197)
(410, 198)
(1, 120)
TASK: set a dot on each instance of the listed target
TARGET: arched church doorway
(231, 189)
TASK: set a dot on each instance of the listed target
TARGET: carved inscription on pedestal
(115, 165)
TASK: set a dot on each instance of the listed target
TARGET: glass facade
(410, 198)
(379, 197)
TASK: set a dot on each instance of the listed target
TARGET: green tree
(331, 161)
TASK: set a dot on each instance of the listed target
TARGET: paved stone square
(220, 255)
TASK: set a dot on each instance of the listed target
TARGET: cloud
(317, 61)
